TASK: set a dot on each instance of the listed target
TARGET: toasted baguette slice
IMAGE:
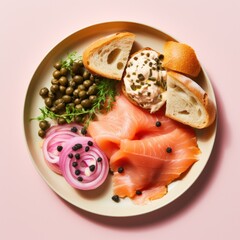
(108, 56)
(181, 58)
(187, 102)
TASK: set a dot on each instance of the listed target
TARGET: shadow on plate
(186, 200)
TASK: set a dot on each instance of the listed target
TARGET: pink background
(210, 209)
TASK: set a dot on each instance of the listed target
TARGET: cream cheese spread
(145, 81)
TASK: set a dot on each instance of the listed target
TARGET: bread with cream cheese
(187, 102)
(108, 56)
(181, 58)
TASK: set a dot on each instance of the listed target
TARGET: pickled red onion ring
(85, 167)
(57, 136)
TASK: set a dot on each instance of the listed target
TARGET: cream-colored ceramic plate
(99, 201)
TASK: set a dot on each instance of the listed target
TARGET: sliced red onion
(88, 166)
(56, 137)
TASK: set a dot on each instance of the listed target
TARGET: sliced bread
(181, 58)
(108, 56)
(187, 102)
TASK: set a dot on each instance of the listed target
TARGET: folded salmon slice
(151, 157)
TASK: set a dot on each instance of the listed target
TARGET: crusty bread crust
(207, 104)
(98, 45)
(181, 58)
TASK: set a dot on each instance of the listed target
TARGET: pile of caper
(74, 87)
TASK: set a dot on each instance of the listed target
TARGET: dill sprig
(70, 59)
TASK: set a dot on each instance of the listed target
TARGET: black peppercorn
(138, 192)
(74, 129)
(59, 148)
(80, 179)
(90, 143)
(115, 198)
(79, 145)
(169, 150)
(74, 164)
(120, 169)
(83, 131)
(92, 168)
(74, 148)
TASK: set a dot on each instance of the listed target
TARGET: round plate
(99, 201)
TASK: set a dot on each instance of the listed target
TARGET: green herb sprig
(70, 59)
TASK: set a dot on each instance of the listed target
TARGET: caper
(91, 78)
(58, 101)
(92, 90)
(92, 98)
(86, 74)
(76, 67)
(61, 120)
(72, 84)
(44, 125)
(67, 98)
(51, 95)
(86, 103)
(48, 102)
(75, 93)
(82, 94)
(81, 87)
(80, 63)
(62, 89)
(69, 90)
(43, 92)
(55, 81)
(87, 83)
(78, 79)
(78, 107)
(161, 57)
(64, 71)
(60, 106)
(58, 65)
(41, 133)
(71, 105)
(53, 109)
(77, 101)
(57, 74)
(63, 81)
(54, 88)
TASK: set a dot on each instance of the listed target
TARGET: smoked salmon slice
(149, 157)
